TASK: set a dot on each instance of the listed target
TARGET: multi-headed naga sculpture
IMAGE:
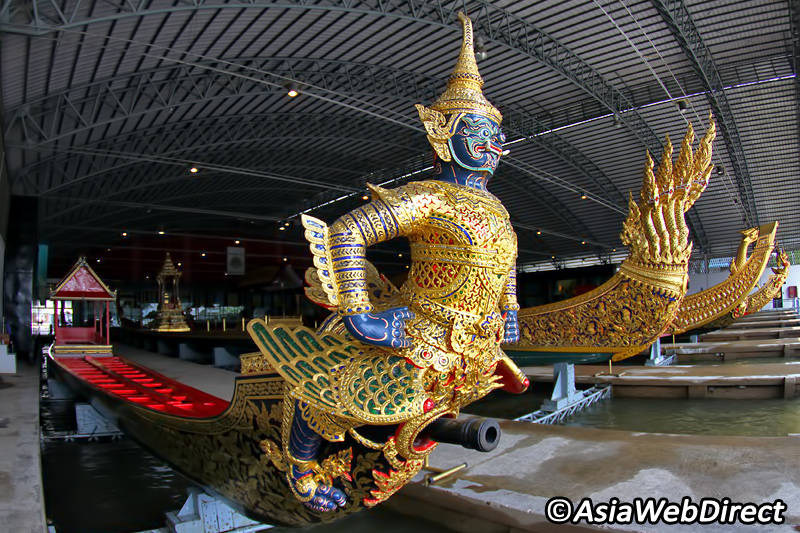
(635, 307)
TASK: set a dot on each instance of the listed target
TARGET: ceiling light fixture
(161, 232)
(291, 89)
(203, 254)
(583, 197)
(236, 241)
(617, 121)
(124, 233)
(480, 49)
(193, 170)
(683, 105)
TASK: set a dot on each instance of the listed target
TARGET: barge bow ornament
(635, 307)
(391, 363)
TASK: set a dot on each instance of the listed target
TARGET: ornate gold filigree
(631, 310)
(237, 455)
(169, 317)
(772, 287)
(701, 308)
(399, 473)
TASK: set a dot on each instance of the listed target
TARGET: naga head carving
(656, 230)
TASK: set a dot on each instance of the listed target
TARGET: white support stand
(205, 514)
(656, 358)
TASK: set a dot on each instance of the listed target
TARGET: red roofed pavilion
(83, 284)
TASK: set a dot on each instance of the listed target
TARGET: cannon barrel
(482, 434)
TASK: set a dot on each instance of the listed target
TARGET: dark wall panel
(20, 269)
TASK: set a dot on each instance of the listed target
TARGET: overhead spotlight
(285, 258)
(193, 170)
(287, 224)
(583, 242)
(292, 90)
(98, 260)
(365, 197)
(480, 49)
(399, 255)
(282, 228)
(161, 232)
(683, 105)
(179, 263)
(538, 233)
(203, 254)
(617, 121)
(236, 241)
(583, 197)
(720, 170)
(124, 233)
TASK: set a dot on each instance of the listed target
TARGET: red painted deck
(141, 386)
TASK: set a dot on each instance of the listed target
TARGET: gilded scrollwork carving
(704, 307)
(631, 310)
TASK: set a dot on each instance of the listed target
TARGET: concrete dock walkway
(21, 497)
(506, 490)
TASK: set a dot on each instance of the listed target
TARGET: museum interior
(429, 265)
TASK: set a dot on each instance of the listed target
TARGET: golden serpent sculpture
(729, 296)
(756, 301)
(636, 306)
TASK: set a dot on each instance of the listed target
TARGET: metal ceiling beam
(794, 25)
(679, 20)
(532, 188)
(79, 108)
(533, 129)
(83, 107)
(495, 23)
(195, 139)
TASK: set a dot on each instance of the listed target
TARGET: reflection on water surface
(116, 486)
(764, 418)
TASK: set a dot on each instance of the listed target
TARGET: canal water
(115, 486)
(756, 418)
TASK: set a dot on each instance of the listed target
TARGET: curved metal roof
(106, 104)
